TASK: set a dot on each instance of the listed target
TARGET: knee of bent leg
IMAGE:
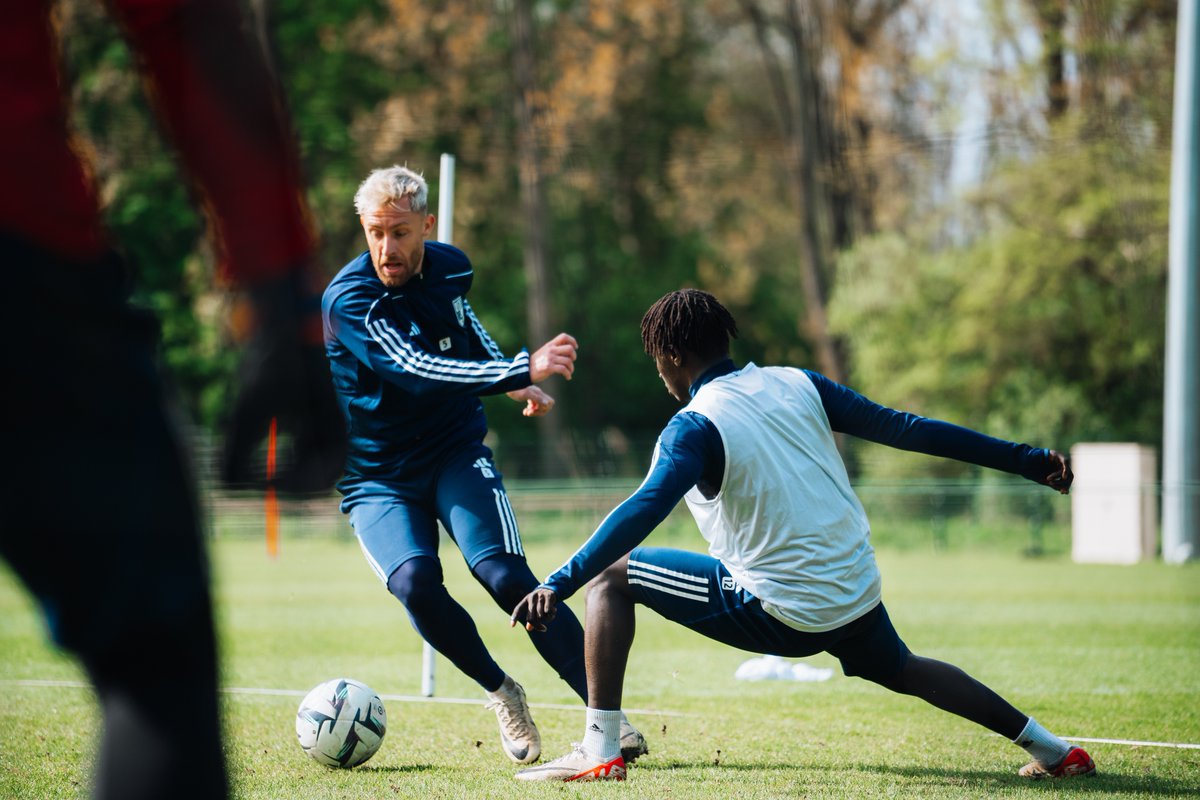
(417, 582)
(613, 578)
(507, 578)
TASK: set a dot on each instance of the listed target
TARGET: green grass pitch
(1091, 651)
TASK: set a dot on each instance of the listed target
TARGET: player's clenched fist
(1059, 477)
(555, 357)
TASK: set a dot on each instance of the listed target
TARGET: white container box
(1114, 503)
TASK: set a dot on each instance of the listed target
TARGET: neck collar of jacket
(722, 367)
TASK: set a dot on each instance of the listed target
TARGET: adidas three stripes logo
(661, 579)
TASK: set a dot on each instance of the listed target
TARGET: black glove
(284, 375)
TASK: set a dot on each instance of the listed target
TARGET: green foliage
(332, 78)
(1032, 310)
(614, 247)
(1047, 324)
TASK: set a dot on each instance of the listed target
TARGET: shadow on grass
(1100, 783)
(402, 769)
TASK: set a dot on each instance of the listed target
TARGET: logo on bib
(458, 311)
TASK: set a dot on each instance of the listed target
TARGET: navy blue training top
(410, 364)
(690, 453)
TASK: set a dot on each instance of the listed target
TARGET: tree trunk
(1052, 21)
(553, 456)
(801, 120)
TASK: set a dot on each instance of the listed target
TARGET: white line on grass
(402, 698)
(408, 698)
(1135, 743)
(1126, 742)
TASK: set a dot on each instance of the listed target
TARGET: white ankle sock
(1046, 748)
(602, 734)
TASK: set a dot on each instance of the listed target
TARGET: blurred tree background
(957, 209)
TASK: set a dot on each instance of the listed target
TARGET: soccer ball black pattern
(341, 723)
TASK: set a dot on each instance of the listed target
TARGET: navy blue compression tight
(441, 621)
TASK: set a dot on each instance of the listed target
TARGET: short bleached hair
(387, 187)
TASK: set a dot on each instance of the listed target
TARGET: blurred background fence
(986, 511)
(930, 514)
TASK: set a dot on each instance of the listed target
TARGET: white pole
(445, 229)
(428, 670)
(1181, 417)
(446, 200)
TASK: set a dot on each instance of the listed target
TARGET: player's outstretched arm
(852, 413)
(555, 357)
(537, 609)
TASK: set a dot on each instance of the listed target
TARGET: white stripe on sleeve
(488, 343)
(424, 365)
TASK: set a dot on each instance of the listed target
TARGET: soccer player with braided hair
(790, 569)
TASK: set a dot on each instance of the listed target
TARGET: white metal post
(445, 229)
(1181, 400)
(446, 200)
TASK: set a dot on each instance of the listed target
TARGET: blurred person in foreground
(790, 569)
(410, 361)
(101, 519)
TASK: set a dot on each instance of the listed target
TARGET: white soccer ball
(341, 723)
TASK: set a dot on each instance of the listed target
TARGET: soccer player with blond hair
(410, 361)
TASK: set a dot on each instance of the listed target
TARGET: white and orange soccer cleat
(576, 766)
(1077, 763)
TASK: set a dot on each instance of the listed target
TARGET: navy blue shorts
(697, 591)
(465, 492)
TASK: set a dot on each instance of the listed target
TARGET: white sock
(602, 734)
(1046, 748)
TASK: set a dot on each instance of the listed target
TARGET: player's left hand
(1060, 477)
(537, 402)
(537, 610)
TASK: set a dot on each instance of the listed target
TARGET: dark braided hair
(688, 320)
